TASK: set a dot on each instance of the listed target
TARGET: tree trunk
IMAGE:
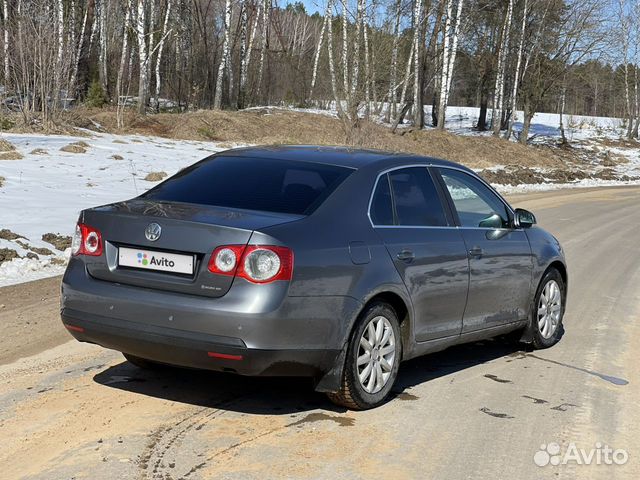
(332, 66)
(393, 76)
(266, 15)
(78, 52)
(514, 92)
(217, 100)
(5, 27)
(102, 40)
(143, 57)
(120, 103)
(418, 117)
(326, 20)
(526, 124)
(482, 117)
(159, 55)
(497, 113)
(345, 51)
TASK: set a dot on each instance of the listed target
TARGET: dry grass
(76, 147)
(2, 180)
(155, 176)
(6, 146)
(269, 126)
(39, 151)
(117, 157)
(15, 155)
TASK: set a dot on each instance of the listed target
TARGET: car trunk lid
(188, 234)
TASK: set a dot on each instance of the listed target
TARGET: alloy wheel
(376, 354)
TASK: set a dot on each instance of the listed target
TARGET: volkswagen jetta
(318, 261)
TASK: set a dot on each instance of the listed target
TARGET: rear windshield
(253, 184)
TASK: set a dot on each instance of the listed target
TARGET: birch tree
(160, 47)
(266, 13)
(143, 56)
(418, 118)
(516, 75)
(102, 40)
(449, 51)
(217, 102)
(392, 95)
(316, 57)
(498, 95)
(5, 29)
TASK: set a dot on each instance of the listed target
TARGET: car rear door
(500, 257)
(428, 251)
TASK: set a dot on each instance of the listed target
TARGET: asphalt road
(484, 410)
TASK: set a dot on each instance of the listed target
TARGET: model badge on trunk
(153, 232)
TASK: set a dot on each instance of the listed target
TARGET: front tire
(548, 310)
(372, 360)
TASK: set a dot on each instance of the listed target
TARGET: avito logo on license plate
(153, 260)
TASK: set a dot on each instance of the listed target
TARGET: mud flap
(527, 333)
(332, 380)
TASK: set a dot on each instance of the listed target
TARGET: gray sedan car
(325, 262)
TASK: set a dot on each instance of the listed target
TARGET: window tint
(381, 206)
(476, 204)
(416, 198)
(253, 184)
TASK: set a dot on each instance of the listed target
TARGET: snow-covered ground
(44, 193)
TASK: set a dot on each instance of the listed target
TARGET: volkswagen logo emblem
(152, 232)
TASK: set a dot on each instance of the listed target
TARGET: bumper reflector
(74, 328)
(224, 356)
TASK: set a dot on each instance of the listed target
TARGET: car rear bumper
(251, 330)
(186, 349)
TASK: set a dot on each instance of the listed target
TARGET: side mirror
(523, 218)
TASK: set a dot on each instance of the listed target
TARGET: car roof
(336, 155)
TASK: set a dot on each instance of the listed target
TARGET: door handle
(406, 256)
(476, 252)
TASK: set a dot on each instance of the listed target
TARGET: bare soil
(61, 242)
(29, 319)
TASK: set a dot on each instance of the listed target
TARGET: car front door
(427, 249)
(500, 258)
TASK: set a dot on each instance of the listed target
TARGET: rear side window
(415, 198)
(381, 207)
(280, 186)
(407, 197)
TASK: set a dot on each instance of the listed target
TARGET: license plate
(153, 260)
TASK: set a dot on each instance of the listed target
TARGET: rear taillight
(256, 263)
(86, 241)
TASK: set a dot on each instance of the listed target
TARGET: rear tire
(372, 360)
(142, 363)
(547, 311)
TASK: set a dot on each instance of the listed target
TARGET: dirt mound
(11, 155)
(61, 242)
(75, 147)
(6, 146)
(155, 176)
(6, 234)
(269, 126)
(39, 151)
(7, 254)
(2, 180)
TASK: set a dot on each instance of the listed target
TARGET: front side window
(476, 204)
(416, 198)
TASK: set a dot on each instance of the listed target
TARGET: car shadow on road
(286, 395)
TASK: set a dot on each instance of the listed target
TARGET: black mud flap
(332, 380)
